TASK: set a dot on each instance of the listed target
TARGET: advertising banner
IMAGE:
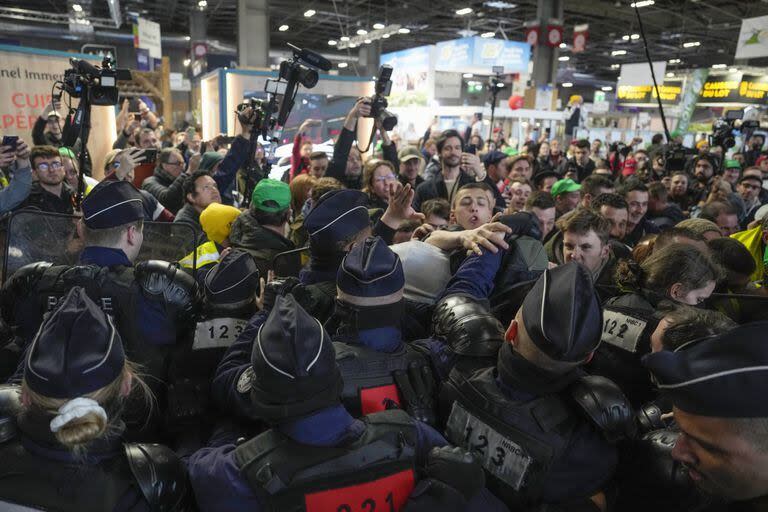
(693, 88)
(753, 38)
(412, 76)
(735, 88)
(479, 55)
(669, 92)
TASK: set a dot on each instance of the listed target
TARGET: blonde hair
(300, 188)
(78, 433)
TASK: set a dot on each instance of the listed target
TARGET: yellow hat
(217, 220)
(575, 98)
(702, 143)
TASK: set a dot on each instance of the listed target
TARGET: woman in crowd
(377, 176)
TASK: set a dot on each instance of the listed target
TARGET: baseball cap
(409, 153)
(271, 196)
(564, 186)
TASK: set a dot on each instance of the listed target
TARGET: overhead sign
(580, 36)
(735, 88)
(669, 92)
(412, 76)
(479, 55)
(147, 37)
(640, 73)
(753, 38)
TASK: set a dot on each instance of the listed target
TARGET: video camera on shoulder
(99, 82)
(379, 102)
(725, 129)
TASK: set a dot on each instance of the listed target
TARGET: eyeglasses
(44, 167)
(383, 179)
(174, 163)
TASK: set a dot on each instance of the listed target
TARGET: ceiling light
(202, 4)
(187, 38)
(691, 44)
(352, 45)
(674, 61)
(564, 58)
(567, 84)
(563, 46)
(309, 13)
(344, 38)
(465, 10)
(625, 37)
(283, 28)
(342, 65)
(378, 26)
(404, 31)
(634, 36)
(467, 75)
(498, 4)
(607, 88)
(670, 74)
(361, 31)
(367, 41)
(385, 36)
(616, 53)
(186, 62)
(488, 34)
(643, 3)
(77, 8)
(733, 70)
(615, 66)
(332, 42)
(719, 66)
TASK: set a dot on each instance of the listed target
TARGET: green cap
(271, 196)
(732, 164)
(67, 153)
(565, 186)
(510, 151)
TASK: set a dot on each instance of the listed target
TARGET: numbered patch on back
(218, 332)
(500, 456)
(621, 330)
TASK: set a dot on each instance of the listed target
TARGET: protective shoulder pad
(653, 453)
(19, 285)
(166, 281)
(468, 326)
(10, 406)
(160, 475)
(605, 405)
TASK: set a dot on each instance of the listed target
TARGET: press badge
(500, 456)
(218, 332)
(621, 330)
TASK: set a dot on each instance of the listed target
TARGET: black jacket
(166, 189)
(436, 188)
(41, 199)
(262, 243)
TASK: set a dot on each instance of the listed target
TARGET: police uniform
(543, 437)
(723, 376)
(40, 473)
(151, 303)
(316, 457)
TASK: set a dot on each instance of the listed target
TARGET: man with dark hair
(543, 181)
(318, 163)
(567, 194)
(722, 214)
(437, 212)
(663, 213)
(748, 188)
(542, 206)
(200, 190)
(680, 193)
(592, 186)
(49, 192)
(704, 168)
(638, 226)
(494, 162)
(581, 162)
(457, 169)
(614, 208)
(167, 183)
(262, 229)
(680, 235)
(755, 148)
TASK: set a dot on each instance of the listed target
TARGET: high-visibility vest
(207, 254)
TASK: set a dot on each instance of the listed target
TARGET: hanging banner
(669, 92)
(580, 36)
(532, 33)
(694, 85)
(147, 36)
(735, 88)
(554, 35)
(753, 38)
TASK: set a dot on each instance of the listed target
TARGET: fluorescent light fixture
(404, 31)
(187, 38)
(283, 28)
(625, 37)
(352, 45)
(674, 61)
(564, 58)
(385, 36)
(361, 31)
(378, 26)
(615, 66)
(691, 44)
(670, 74)
(344, 38)
(187, 62)
(202, 4)
(567, 84)
(498, 4)
(342, 65)
(488, 34)
(465, 10)
(607, 88)
(733, 70)
(643, 3)
(332, 42)
(367, 41)
(634, 36)
(77, 8)
(719, 66)
(309, 13)
(563, 45)
(616, 53)
(467, 75)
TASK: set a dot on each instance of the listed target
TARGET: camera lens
(307, 77)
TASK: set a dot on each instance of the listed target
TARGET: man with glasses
(749, 189)
(49, 192)
(167, 184)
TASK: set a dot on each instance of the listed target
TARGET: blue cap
(493, 157)
(111, 204)
(76, 351)
(370, 275)
(232, 281)
(562, 313)
(724, 376)
(337, 216)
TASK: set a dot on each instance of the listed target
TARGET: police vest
(375, 472)
(516, 442)
(369, 384)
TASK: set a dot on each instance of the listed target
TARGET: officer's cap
(722, 376)
(562, 313)
(337, 215)
(111, 204)
(234, 280)
(293, 363)
(76, 351)
(370, 275)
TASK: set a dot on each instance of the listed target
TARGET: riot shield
(31, 236)
(290, 263)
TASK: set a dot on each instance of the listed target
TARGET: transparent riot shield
(29, 236)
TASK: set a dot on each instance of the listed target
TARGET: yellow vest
(207, 254)
(753, 241)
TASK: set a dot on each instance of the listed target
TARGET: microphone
(312, 58)
(84, 68)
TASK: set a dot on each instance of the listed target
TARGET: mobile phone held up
(11, 141)
(471, 149)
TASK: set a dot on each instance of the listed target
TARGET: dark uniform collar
(519, 379)
(327, 427)
(104, 257)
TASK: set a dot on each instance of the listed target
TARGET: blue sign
(477, 54)
(411, 76)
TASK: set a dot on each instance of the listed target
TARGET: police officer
(378, 369)
(61, 443)
(539, 426)
(718, 387)
(151, 304)
(316, 456)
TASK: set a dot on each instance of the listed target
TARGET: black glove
(522, 224)
(456, 468)
(417, 387)
(279, 286)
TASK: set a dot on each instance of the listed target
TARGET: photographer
(753, 150)
(16, 159)
(47, 130)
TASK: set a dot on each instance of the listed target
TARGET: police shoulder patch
(245, 380)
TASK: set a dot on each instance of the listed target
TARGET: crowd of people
(445, 325)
